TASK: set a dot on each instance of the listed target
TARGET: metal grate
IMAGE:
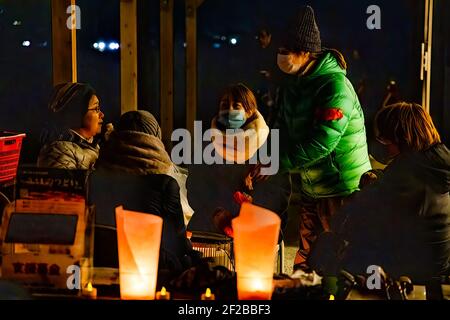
(215, 246)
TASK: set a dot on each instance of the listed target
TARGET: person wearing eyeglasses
(68, 141)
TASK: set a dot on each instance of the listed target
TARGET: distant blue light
(26, 43)
(101, 46)
(233, 41)
(113, 46)
(216, 45)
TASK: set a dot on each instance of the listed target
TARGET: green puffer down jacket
(322, 133)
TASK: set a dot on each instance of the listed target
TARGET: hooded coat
(401, 222)
(132, 171)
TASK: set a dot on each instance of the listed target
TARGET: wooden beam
(191, 64)
(64, 43)
(430, 46)
(425, 71)
(166, 71)
(73, 35)
(128, 56)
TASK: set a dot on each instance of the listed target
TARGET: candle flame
(89, 287)
(257, 285)
(163, 291)
(208, 293)
(331, 297)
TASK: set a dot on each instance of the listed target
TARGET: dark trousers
(315, 215)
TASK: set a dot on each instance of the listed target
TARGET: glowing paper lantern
(256, 232)
(139, 239)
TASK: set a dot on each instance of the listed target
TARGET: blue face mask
(233, 119)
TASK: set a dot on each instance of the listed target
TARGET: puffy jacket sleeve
(334, 104)
(59, 155)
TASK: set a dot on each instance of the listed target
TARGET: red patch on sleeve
(329, 114)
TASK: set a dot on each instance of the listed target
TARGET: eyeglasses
(96, 109)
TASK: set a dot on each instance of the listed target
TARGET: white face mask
(284, 62)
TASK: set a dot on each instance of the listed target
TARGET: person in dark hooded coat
(134, 170)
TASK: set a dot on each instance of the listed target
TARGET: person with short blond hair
(401, 221)
(406, 125)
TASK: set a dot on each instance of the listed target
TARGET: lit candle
(208, 295)
(90, 291)
(256, 231)
(163, 294)
(138, 239)
(137, 286)
(331, 297)
(255, 287)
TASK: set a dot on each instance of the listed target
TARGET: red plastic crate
(10, 146)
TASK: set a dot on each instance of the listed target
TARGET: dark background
(374, 56)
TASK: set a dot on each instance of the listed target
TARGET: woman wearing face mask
(76, 119)
(321, 122)
(238, 111)
(219, 187)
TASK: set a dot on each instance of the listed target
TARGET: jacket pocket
(322, 177)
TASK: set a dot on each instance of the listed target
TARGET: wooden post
(166, 71)
(425, 68)
(191, 63)
(64, 42)
(128, 56)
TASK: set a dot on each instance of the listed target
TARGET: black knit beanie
(140, 121)
(303, 33)
(69, 103)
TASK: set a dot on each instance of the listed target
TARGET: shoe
(310, 279)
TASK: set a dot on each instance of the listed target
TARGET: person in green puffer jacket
(322, 132)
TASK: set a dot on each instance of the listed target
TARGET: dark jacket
(322, 133)
(137, 189)
(156, 194)
(213, 186)
(402, 221)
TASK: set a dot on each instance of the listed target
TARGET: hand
(254, 176)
